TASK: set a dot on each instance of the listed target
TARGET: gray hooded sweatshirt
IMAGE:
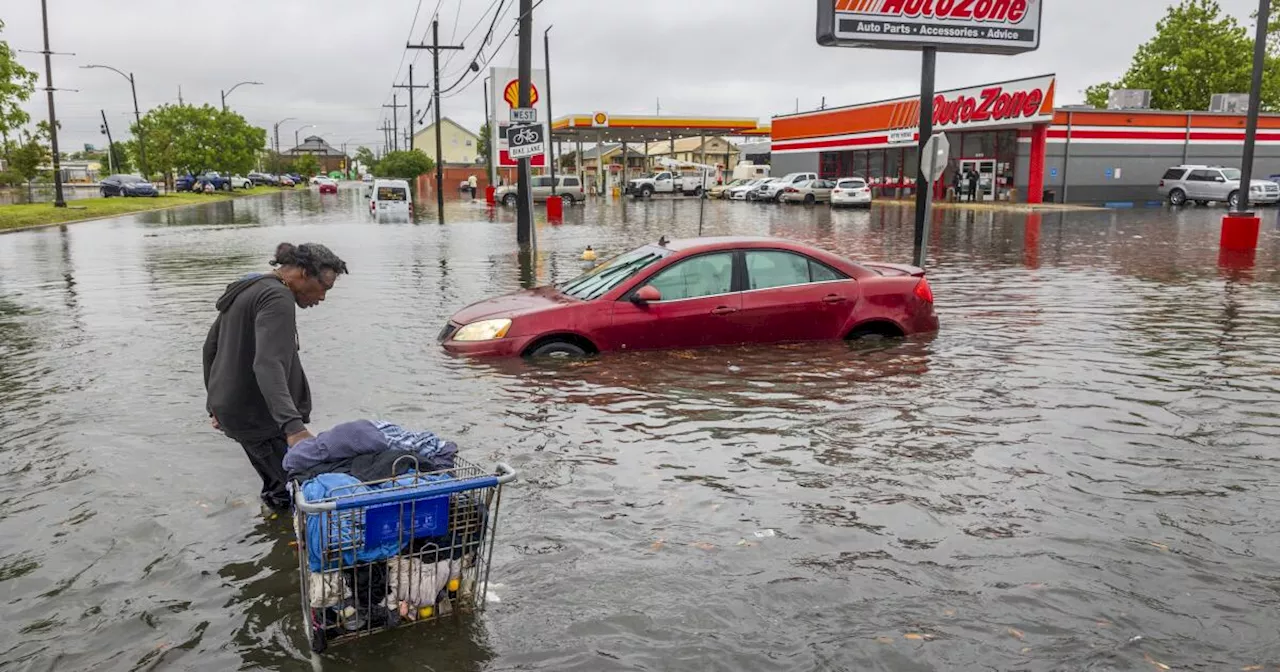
(256, 387)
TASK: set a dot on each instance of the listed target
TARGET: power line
(480, 52)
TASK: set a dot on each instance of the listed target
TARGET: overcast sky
(332, 62)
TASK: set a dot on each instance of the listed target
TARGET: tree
(482, 147)
(365, 156)
(306, 165)
(16, 85)
(1197, 51)
(405, 165)
(29, 152)
(121, 156)
(198, 139)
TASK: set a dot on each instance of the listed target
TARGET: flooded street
(1079, 472)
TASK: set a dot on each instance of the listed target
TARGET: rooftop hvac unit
(1129, 99)
(1230, 103)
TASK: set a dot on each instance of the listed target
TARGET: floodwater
(1079, 472)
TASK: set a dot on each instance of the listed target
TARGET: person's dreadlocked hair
(310, 257)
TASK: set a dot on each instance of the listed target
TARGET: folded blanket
(326, 452)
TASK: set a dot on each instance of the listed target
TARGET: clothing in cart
(364, 437)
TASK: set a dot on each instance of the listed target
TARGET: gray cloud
(331, 62)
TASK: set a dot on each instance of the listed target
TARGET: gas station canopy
(602, 127)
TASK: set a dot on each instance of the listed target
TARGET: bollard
(1239, 231)
(555, 207)
(488, 194)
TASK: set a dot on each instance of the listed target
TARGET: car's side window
(768, 268)
(823, 273)
(705, 275)
(571, 182)
(1174, 174)
(1201, 176)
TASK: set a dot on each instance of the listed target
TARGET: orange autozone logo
(511, 94)
(1006, 11)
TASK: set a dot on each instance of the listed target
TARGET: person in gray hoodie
(257, 391)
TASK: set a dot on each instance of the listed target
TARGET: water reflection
(1080, 456)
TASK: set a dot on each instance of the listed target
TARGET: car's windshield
(1231, 173)
(128, 179)
(736, 183)
(598, 281)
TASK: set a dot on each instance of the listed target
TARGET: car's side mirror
(1219, 179)
(646, 294)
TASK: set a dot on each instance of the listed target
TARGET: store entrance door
(986, 169)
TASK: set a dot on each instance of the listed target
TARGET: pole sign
(524, 115)
(526, 141)
(973, 26)
(505, 95)
(933, 161)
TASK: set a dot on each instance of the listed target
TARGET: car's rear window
(392, 194)
(851, 184)
(1174, 174)
(571, 182)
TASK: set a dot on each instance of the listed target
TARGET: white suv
(772, 190)
(1203, 184)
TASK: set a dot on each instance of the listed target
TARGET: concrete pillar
(1035, 167)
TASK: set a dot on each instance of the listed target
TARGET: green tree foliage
(1197, 51)
(482, 147)
(405, 165)
(16, 85)
(197, 139)
(306, 165)
(28, 152)
(365, 156)
(122, 155)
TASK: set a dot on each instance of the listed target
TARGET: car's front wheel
(1233, 200)
(558, 350)
(810, 199)
(510, 200)
(646, 191)
(104, 193)
(1177, 197)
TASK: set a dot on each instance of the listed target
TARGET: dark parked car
(127, 185)
(698, 293)
(197, 182)
(260, 179)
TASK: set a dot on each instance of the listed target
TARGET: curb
(36, 227)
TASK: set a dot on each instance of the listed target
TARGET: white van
(747, 170)
(391, 197)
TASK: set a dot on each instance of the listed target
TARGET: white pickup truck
(670, 182)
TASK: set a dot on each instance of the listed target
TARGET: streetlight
(137, 115)
(227, 93)
(295, 135)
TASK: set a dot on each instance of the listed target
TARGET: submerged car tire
(557, 349)
(1178, 197)
(646, 191)
(1233, 200)
(810, 199)
(510, 200)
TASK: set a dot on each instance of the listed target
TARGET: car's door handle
(833, 298)
(724, 310)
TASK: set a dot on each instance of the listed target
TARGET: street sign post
(525, 141)
(524, 115)
(933, 163)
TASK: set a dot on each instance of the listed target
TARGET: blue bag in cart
(392, 552)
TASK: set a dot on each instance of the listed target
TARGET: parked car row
(1218, 184)
(806, 188)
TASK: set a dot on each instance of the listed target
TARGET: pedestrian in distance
(472, 183)
(258, 394)
(973, 185)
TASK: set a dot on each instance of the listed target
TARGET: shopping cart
(397, 551)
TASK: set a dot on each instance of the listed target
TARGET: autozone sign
(981, 26)
(993, 103)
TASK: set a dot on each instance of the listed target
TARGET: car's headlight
(484, 330)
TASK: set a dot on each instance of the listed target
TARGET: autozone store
(1020, 145)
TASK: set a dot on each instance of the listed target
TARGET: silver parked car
(1203, 184)
(809, 192)
(568, 187)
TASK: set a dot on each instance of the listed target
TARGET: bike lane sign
(525, 141)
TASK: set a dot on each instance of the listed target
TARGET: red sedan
(327, 186)
(698, 293)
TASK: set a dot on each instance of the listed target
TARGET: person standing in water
(257, 391)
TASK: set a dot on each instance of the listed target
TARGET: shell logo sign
(511, 94)
(600, 120)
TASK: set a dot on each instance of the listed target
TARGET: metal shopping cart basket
(394, 552)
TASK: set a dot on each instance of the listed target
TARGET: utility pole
(551, 154)
(137, 116)
(106, 129)
(395, 123)
(435, 48)
(524, 214)
(493, 168)
(412, 112)
(386, 136)
(928, 65)
(58, 201)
